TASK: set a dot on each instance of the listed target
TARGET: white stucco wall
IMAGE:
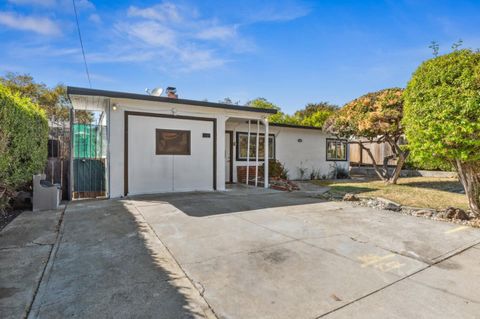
(309, 154)
(117, 123)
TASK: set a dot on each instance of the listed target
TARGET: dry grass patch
(428, 192)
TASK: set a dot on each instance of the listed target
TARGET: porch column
(220, 153)
(265, 122)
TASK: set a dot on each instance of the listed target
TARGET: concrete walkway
(25, 247)
(239, 254)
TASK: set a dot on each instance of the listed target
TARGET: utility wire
(81, 43)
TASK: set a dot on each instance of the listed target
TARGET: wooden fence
(359, 157)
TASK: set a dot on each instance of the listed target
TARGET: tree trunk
(469, 174)
(382, 175)
(398, 168)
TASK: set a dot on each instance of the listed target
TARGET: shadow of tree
(111, 265)
(442, 185)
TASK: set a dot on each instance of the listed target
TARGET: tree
(53, 100)
(315, 114)
(442, 112)
(279, 117)
(228, 100)
(374, 118)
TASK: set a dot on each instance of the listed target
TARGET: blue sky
(290, 52)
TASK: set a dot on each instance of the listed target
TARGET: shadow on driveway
(202, 204)
(109, 264)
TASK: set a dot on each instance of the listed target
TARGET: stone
(393, 207)
(454, 213)
(349, 197)
(424, 213)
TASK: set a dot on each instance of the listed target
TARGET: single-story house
(129, 144)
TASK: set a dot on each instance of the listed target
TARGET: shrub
(23, 142)
(442, 112)
(342, 173)
(275, 169)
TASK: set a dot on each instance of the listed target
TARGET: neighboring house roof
(71, 90)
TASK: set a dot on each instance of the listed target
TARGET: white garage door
(169, 155)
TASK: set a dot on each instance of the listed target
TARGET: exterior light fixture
(114, 107)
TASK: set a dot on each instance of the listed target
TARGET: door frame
(230, 178)
(178, 117)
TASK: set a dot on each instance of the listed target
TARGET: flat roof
(72, 90)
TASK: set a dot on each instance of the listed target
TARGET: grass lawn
(437, 193)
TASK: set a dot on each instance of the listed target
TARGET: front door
(228, 156)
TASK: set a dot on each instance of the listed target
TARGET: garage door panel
(151, 173)
(195, 172)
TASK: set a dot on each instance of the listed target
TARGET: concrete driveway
(244, 254)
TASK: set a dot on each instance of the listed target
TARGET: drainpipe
(256, 153)
(248, 153)
(265, 122)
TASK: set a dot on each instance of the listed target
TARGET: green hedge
(23, 142)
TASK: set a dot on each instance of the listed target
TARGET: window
(242, 139)
(172, 142)
(336, 150)
(53, 148)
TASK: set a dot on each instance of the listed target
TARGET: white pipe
(266, 154)
(256, 153)
(248, 153)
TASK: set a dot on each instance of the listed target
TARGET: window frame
(336, 141)
(244, 159)
(189, 141)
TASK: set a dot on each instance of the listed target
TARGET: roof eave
(72, 90)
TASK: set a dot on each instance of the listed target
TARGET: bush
(342, 173)
(275, 169)
(442, 112)
(23, 142)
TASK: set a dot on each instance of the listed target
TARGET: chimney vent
(172, 92)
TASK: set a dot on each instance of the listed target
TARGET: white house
(128, 144)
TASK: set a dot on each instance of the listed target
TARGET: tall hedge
(23, 142)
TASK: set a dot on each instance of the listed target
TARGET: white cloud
(43, 3)
(150, 33)
(40, 25)
(80, 4)
(275, 13)
(165, 12)
(175, 35)
(95, 18)
(220, 33)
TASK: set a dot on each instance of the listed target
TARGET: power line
(81, 43)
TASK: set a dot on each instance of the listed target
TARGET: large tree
(442, 116)
(374, 118)
(315, 114)
(279, 117)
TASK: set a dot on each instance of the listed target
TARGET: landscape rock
(393, 207)
(424, 213)
(349, 197)
(454, 213)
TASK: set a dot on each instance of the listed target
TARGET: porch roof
(71, 90)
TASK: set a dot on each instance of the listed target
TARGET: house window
(336, 150)
(172, 142)
(242, 146)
